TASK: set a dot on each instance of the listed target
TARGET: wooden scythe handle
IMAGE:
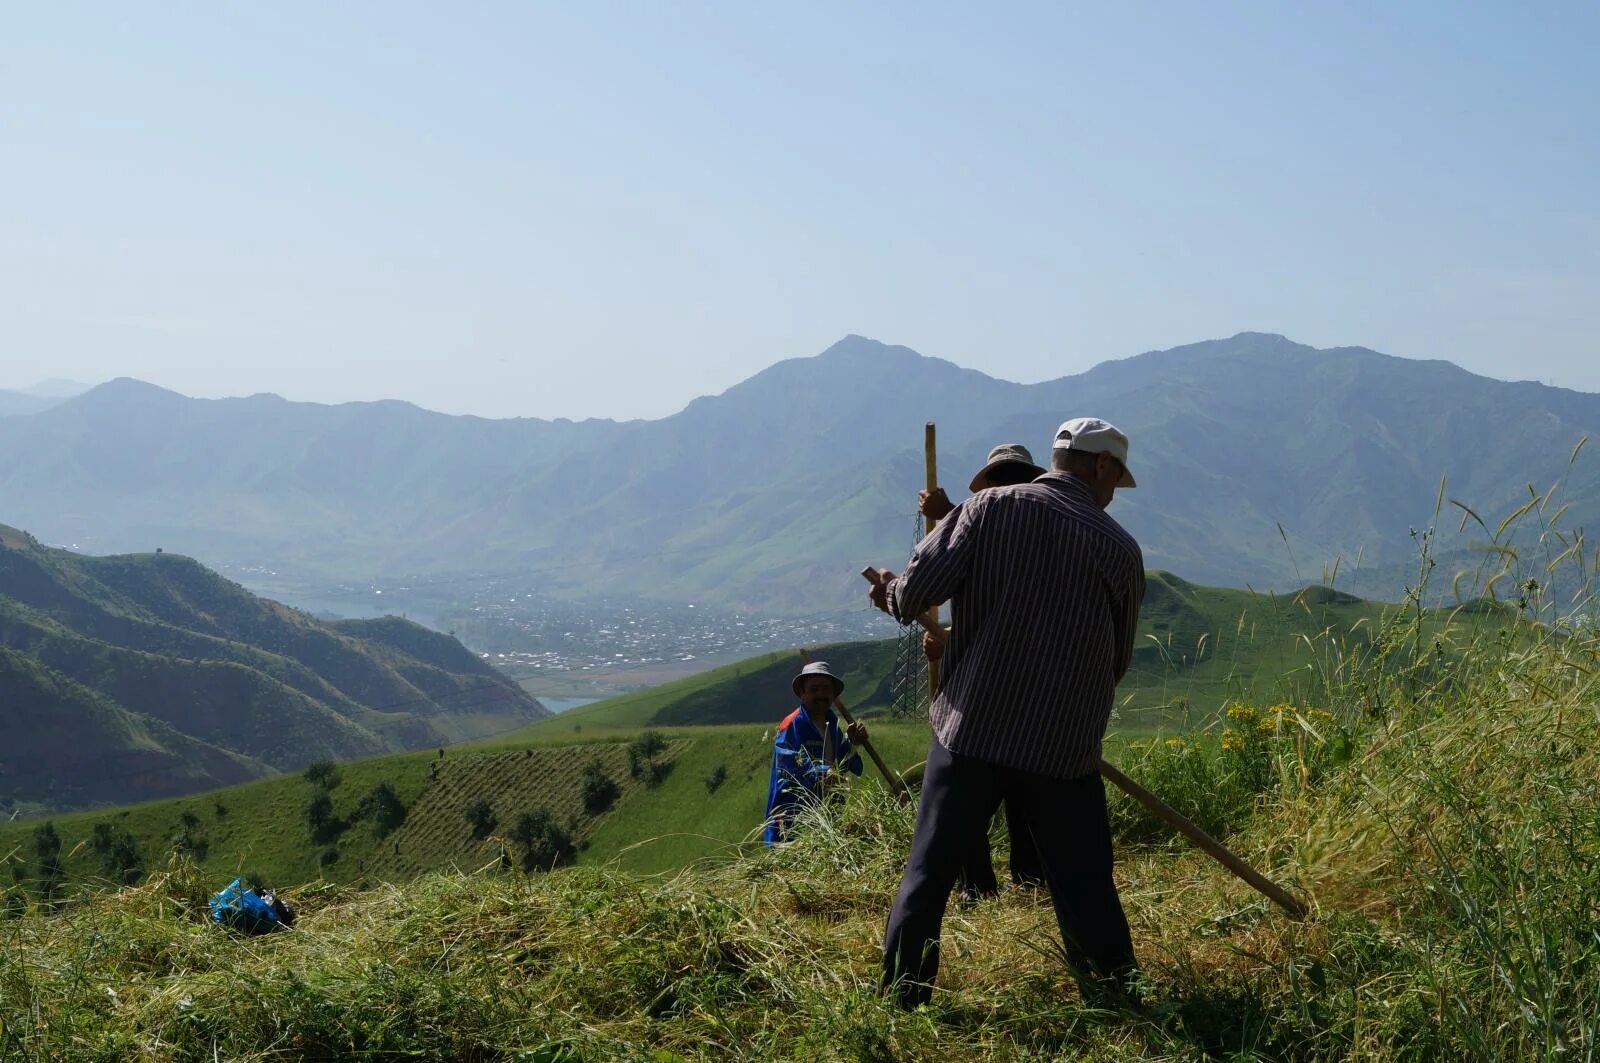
(930, 462)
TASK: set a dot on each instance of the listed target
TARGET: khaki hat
(1091, 435)
(817, 668)
(1005, 454)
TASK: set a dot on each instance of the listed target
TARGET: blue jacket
(798, 768)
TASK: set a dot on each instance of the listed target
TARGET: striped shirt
(1044, 590)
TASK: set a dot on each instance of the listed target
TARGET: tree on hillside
(383, 807)
(718, 776)
(47, 847)
(189, 842)
(648, 744)
(641, 757)
(46, 842)
(118, 851)
(320, 818)
(544, 844)
(482, 818)
(597, 790)
(322, 774)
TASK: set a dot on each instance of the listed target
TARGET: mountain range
(139, 676)
(1259, 460)
(40, 396)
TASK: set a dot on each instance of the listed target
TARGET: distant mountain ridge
(1258, 459)
(40, 396)
(135, 676)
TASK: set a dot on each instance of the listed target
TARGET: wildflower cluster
(1216, 781)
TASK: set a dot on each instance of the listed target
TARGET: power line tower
(910, 685)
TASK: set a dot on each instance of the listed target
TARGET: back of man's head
(1077, 462)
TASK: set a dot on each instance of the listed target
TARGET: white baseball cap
(1094, 436)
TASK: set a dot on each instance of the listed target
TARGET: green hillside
(262, 827)
(98, 743)
(1197, 648)
(1260, 649)
(755, 690)
(1435, 810)
(162, 677)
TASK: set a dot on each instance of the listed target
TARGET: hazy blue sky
(607, 209)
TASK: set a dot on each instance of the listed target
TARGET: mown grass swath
(1434, 795)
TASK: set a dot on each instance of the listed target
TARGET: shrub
(119, 854)
(598, 790)
(482, 818)
(322, 774)
(544, 844)
(47, 847)
(718, 776)
(320, 818)
(655, 771)
(383, 807)
(46, 842)
(641, 757)
(191, 843)
(328, 856)
(649, 744)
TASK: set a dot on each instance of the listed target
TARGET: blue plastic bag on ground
(251, 911)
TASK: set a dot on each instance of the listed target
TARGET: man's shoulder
(794, 715)
(1118, 533)
(1071, 502)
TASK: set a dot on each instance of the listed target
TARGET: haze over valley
(1268, 463)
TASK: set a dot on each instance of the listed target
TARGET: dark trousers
(1065, 819)
(1026, 867)
(975, 876)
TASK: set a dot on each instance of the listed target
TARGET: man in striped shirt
(1044, 590)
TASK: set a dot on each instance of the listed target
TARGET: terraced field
(436, 832)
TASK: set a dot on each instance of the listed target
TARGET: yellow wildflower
(1240, 711)
(1231, 740)
(1174, 743)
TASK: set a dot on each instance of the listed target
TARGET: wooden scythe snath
(930, 462)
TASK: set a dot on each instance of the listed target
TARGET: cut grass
(1453, 918)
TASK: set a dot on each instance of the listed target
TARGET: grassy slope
(1260, 656)
(748, 691)
(1197, 648)
(263, 825)
(178, 648)
(1442, 824)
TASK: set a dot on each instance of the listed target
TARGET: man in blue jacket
(809, 749)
